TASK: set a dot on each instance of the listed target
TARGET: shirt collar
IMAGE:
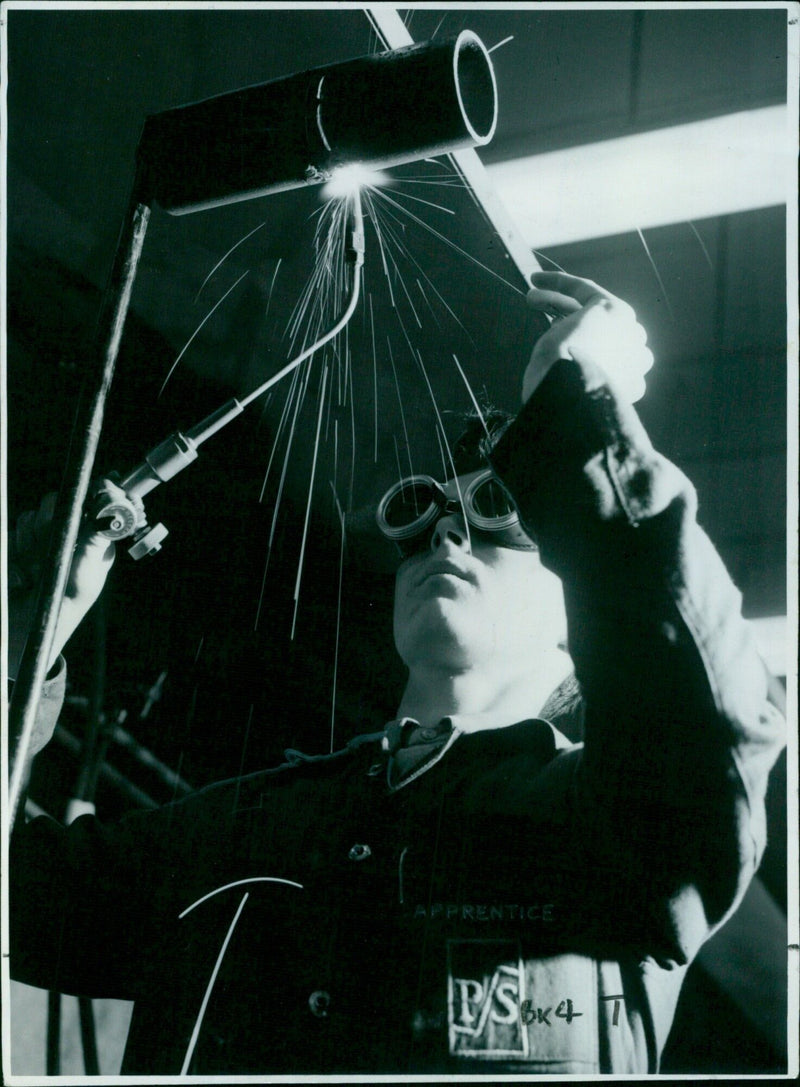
(462, 723)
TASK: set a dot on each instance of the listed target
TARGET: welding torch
(125, 515)
(382, 110)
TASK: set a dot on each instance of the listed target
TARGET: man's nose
(452, 528)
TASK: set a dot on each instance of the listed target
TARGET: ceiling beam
(734, 163)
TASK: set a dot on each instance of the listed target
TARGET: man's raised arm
(679, 733)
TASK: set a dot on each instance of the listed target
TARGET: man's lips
(441, 566)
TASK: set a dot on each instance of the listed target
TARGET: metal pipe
(109, 773)
(393, 32)
(380, 110)
(146, 758)
(72, 495)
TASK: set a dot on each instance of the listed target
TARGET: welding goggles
(408, 512)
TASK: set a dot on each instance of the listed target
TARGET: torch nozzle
(354, 250)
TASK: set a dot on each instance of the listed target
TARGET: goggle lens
(410, 509)
(491, 500)
(408, 504)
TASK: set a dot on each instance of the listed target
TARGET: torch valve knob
(147, 541)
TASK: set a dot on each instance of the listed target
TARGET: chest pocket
(539, 1012)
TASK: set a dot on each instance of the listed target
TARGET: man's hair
(480, 435)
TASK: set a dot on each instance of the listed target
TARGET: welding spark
(402, 411)
(389, 215)
(222, 260)
(505, 41)
(210, 313)
(471, 395)
(702, 244)
(340, 514)
(656, 273)
(345, 180)
(380, 221)
(438, 27)
(419, 200)
(444, 439)
(543, 256)
(443, 238)
(272, 285)
(308, 506)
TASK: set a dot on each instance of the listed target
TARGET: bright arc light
(346, 180)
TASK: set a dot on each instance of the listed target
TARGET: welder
(287, 922)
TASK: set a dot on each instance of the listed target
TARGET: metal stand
(53, 1054)
(88, 1036)
(73, 492)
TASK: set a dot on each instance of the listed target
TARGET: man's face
(463, 602)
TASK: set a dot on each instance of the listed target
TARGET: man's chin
(441, 633)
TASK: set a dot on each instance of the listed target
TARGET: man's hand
(92, 560)
(591, 325)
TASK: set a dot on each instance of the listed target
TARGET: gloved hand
(92, 560)
(591, 325)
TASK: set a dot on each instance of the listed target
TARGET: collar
(459, 723)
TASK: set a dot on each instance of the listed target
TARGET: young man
(466, 892)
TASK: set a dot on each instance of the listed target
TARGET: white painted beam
(737, 162)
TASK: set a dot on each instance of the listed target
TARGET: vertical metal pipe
(74, 488)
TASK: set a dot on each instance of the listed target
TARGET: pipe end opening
(476, 86)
